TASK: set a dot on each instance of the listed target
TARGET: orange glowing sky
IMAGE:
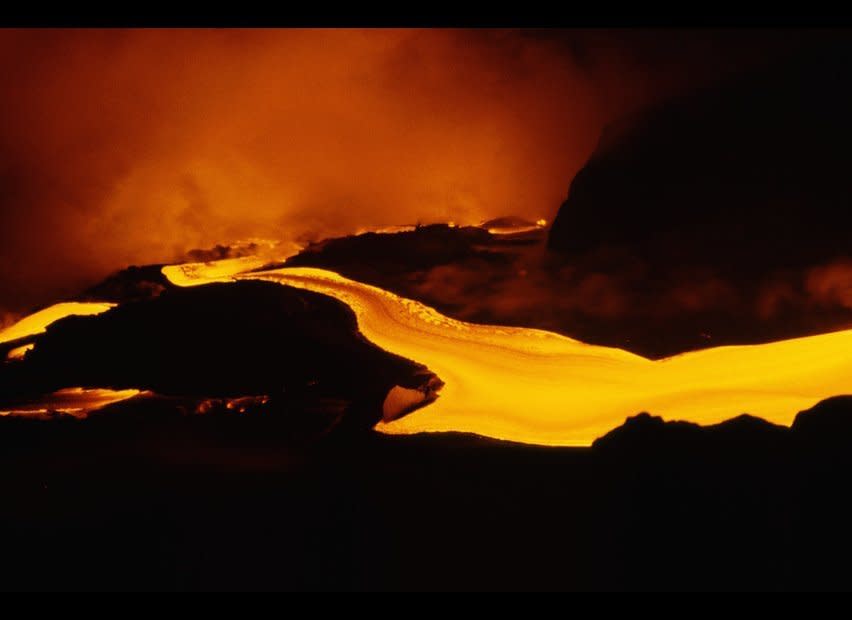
(121, 147)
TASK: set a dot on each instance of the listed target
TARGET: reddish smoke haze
(122, 147)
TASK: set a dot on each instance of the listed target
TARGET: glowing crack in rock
(18, 353)
(514, 230)
(511, 226)
(38, 322)
(240, 404)
(533, 386)
(75, 401)
(387, 230)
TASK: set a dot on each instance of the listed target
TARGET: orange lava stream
(38, 322)
(75, 401)
(193, 274)
(533, 386)
(18, 353)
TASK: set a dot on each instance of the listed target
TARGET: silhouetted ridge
(829, 421)
(370, 255)
(217, 341)
(708, 213)
(130, 284)
(745, 177)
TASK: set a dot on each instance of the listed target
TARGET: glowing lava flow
(193, 274)
(74, 401)
(18, 353)
(533, 386)
(38, 322)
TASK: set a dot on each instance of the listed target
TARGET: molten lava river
(533, 386)
(38, 322)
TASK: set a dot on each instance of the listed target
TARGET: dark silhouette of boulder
(648, 433)
(130, 284)
(747, 177)
(830, 419)
(372, 257)
(709, 212)
(217, 341)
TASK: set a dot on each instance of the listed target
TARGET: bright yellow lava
(36, 323)
(193, 274)
(75, 401)
(533, 386)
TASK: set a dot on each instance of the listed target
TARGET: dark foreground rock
(133, 283)
(747, 177)
(228, 501)
(218, 341)
(373, 257)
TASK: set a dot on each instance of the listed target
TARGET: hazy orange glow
(75, 401)
(37, 322)
(128, 147)
(534, 386)
(141, 145)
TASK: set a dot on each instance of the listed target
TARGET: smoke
(831, 284)
(603, 298)
(131, 147)
(533, 289)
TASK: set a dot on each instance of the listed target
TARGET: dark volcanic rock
(221, 502)
(130, 284)
(371, 256)
(645, 432)
(220, 340)
(708, 213)
(827, 425)
(747, 177)
(829, 422)
(146, 499)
